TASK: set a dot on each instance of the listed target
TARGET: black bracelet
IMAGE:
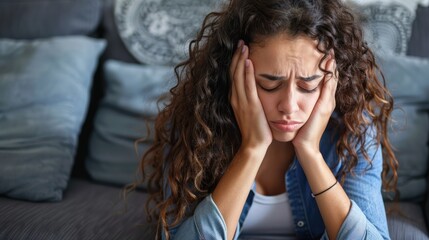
(317, 194)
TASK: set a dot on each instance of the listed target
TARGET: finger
(330, 82)
(331, 67)
(232, 68)
(334, 78)
(250, 83)
(239, 74)
(235, 57)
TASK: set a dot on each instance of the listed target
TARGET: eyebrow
(279, 78)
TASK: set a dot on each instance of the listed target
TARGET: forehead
(282, 51)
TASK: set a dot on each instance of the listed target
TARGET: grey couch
(92, 207)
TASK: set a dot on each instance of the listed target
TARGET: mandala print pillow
(387, 23)
(158, 32)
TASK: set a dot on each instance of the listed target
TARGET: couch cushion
(408, 80)
(23, 19)
(406, 221)
(130, 101)
(88, 212)
(44, 90)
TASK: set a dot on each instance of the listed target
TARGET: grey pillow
(44, 90)
(130, 101)
(409, 135)
(408, 80)
(406, 77)
(418, 44)
(24, 19)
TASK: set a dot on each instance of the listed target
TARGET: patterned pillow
(159, 32)
(387, 24)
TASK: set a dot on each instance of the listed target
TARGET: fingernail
(247, 62)
(240, 42)
(243, 49)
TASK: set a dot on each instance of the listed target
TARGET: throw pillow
(418, 44)
(44, 88)
(130, 101)
(159, 32)
(387, 24)
(23, 19)
(408, 79)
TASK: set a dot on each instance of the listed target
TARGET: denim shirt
(366, 218)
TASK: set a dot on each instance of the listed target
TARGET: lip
(286, 126)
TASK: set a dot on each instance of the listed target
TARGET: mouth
(286, 126)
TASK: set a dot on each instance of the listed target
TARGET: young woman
(277, 126)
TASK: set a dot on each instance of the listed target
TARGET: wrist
(307, 152)
(310, 159)
(253, 152)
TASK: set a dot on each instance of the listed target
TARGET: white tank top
(269, 215)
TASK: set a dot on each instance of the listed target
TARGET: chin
(284, 137)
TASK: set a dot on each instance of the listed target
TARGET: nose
(288, 103)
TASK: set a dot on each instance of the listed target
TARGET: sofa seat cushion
(406, 221)
(88, 211)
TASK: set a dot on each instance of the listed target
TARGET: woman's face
(288, 81)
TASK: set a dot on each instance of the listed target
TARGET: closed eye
(304, 90)
(307, 88)
(309, 79)
(271, 89)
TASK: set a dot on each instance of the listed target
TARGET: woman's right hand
(248, 111)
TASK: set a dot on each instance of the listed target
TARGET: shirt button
(300, 224)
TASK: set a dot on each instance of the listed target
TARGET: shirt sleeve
(367, 216)
(206, 223)
(356, 226)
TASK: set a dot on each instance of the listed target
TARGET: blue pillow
(408, 80)
(130, 101)
(407, 77)
(44, 91)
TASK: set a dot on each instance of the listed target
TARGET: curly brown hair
(196, 135)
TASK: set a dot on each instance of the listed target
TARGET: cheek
(267, 101)
(308, 101)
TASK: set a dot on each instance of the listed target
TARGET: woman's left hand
(308, 137)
